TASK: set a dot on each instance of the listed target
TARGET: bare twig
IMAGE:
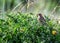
(21, 9)
(15, 7)
(53, 10)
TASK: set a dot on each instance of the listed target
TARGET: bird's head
(40, 14)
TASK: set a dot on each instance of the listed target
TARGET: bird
(41, 19)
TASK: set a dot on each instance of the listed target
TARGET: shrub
(25, 28)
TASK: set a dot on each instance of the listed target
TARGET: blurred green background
(31, 6)
(47, 7)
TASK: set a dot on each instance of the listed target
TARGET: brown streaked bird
(41, 19)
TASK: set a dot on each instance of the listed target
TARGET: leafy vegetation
(25, 28)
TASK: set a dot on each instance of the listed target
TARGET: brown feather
(41, 19)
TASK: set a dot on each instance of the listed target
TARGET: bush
(25, 28)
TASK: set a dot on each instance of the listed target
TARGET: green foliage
(25, 28)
